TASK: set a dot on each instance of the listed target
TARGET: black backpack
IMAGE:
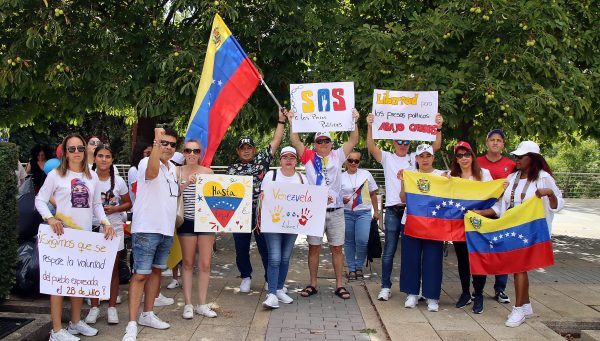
(374, 245)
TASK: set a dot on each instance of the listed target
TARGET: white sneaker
(167, 273)
(62, 335)
(516, 318)
(204, 310)
(527, 310)
(283, 297)
(81, 328)
(92, 316)
(118, 299)
(149, 319)
(188, 311)
(174, 284)
(433, 305)
(112, 315)
(411, 301)
(162, 301)
(245, 285)
(271, 302)
(130, 331)
(384, 294)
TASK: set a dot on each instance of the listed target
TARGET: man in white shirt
(153, 225)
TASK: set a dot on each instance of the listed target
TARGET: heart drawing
(223, 202)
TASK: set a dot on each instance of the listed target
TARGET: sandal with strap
(308, 291)
(342, 293)
(351, 276)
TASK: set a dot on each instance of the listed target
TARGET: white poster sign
(78, 263)
(322, 106)
(223, 203)
(405, 115)
(294, 208)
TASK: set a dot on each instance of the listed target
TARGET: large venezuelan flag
(518, 241)
(228, 79)
(436, 205)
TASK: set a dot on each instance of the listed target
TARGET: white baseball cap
(526, 147)
(324, 134)
(422, 148)
(288, 150)
(178, 158)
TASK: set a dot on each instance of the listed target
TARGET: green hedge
(8, 217)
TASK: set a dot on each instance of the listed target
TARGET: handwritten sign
(223, 203)
(78, 263)
(293, 208)
(322, 106)
(405, 115)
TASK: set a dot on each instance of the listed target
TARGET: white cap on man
(178, 158)
(526, 147)
(323, 134)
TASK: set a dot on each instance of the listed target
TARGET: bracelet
(281, 122)
(155, 143)
(438, 129)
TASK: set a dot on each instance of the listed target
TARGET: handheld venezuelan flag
(436, 205)
(518, 241)
(228, 79)
(361, 195)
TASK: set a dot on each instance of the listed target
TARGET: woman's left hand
(109, 232)
(544, 192)
(376, 215)
(439, 120)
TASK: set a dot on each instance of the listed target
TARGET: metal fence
(573, 185)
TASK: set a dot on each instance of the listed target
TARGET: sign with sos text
(322, 106)
(405, 115)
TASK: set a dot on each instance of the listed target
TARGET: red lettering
(393, 127)
(338, 94)
(423, 128)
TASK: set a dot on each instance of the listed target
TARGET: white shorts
(119, 233)
(335, 229)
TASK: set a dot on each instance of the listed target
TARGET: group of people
(88, 194)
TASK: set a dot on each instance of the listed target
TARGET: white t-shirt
(119, 190)
(155, 206)
(294, 179)
(392, 163)
(485, 175)
(545, 180)
(434, 172)
(131, 179)
(350, 185)
(77, 199)
(328, 174)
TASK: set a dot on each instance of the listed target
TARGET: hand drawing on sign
(304, 216)
(276, 214)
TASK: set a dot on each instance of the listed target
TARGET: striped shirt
(189, 202)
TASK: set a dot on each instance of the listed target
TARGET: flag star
(520, 236)
(457, 205)
(220, 82)
(500, 237)
(209, 103)
(433, 213)
(451, 202)
(200, 198)
(507, 234)
(491, 246)
(214, 81)
(495, 239)
(444, 203)
(437, 207)
(463, 208)
(513, 234)
(525, 241)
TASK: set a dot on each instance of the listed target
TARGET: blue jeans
(242, 249)
(421, 266)
(358, 225)
(500, 284)
(280, 246)
(150, 250)
(393, 217)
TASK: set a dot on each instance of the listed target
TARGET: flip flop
(308, 291)
(342, 293)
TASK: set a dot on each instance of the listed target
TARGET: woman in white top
(465, 165)
(115, 200)
(421, 261)
(191, 241)
(75, 190)
(533, 177)
(357, 212)
(280, 245)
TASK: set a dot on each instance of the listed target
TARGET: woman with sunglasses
(114, 195)
(532, 178)
(421, 260)
(76, 192)
(465, 165)
(92, 144)
(356, 183)
(192, 241)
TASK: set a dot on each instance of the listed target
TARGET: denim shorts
(150, 250)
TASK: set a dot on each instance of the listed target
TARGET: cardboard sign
(293, 208)
(405, 115)
(322, 106)
(223, 203)
(78, 263)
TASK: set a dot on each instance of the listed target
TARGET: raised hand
(304, 216)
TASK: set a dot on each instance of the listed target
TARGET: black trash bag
(124, 270)
(29, 219)
(374, 245)
(28, 268)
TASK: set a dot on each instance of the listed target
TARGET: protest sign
(322, 106)
(223, 203)
(405, 115)
(78, 263)
(293, 208)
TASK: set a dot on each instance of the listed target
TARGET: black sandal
(308, 291)
(359, 274)
(351, 276)
(342, 293)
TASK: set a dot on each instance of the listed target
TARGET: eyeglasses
(354, 161)
(167, 143)
(169, 184)
(465, 155)
(94, 142)
(322, 141)
(400, 142)
(72, 149)
(196, 151)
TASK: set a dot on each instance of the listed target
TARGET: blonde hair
(64, 163)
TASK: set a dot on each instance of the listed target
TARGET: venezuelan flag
(518, 241)
(228, 79)
(436, 205)
(361, 195)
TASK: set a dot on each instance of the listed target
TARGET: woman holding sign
(280, 245)
(190, 240)
(77, 194)
(532, 178)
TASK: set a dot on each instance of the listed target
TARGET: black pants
(462, 256)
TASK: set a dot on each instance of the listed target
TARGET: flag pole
(262, 81)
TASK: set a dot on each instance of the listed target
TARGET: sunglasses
(72, 149)
(323, 141)
(95, 142)
(400, 142)
(167, 143)
(196, 151)
(354, 161)
(465, 155)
